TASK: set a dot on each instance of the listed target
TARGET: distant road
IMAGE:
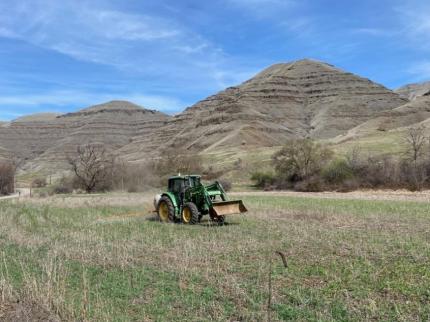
(21, 192)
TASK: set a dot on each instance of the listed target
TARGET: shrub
(64, 186)
(132, 189)
(43, 194)
(263, 179)
(301, 159)
(39, 183)
(337, 172)
(310, 184)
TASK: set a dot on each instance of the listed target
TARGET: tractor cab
(179, 184)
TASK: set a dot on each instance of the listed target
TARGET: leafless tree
(301, 159)
(92, 166)
(7, 178)
(178, 161)
(416, 143)
(415, 171)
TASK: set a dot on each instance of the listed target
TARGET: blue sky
(167, 54)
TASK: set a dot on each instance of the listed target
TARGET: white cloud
(95, 32)
(421, 70)
(376, 32)
(415, 20)
(263, 8)
(118, 25)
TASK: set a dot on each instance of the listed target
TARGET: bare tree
(416, 170)
(178, 161)
(300, 159)
(92, 166)
(7, 178)
(416, 143)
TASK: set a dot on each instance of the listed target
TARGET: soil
(25, 311)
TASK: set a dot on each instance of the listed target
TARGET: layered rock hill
(413, 91)
(305, 98)
(413, 114)
(48, 141)
(301, 99)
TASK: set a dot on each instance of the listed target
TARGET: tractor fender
(156, 200)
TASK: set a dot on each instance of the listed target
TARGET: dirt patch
(25, 311)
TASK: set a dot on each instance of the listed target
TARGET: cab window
(176, 185)
(194, 181)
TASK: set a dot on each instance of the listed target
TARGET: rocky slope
(412, 91)
(305, 98)
(38, 117)
(46, 143)
(413, 114)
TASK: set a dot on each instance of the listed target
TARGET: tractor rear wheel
(190, 214)
(166, 210)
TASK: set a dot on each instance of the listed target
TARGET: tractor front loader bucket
(223, 208)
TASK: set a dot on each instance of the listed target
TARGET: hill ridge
(303, 98)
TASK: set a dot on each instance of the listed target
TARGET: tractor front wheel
(190, 214)
(166, 210)
(219, 220)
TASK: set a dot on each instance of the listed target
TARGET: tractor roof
(185, 176)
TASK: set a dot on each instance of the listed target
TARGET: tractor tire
(166, 210)
(190, 214)
(219, 220)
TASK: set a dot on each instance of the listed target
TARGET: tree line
(305, 165)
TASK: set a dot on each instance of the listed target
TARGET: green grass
(348, 260)
(376, 144)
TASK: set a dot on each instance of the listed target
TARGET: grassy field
(105, 258)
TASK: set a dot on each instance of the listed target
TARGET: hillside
(305, 98)
(45, 143)
(405, 116)
(412, 91)
(38, 117)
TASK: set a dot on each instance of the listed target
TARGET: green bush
(337, 172)
(263, 179)
(64, 186)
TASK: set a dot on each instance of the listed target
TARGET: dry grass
(103, 258)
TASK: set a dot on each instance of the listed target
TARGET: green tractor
(187, 200)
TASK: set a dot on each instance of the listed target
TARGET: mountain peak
(113, 105)
(296, 68)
